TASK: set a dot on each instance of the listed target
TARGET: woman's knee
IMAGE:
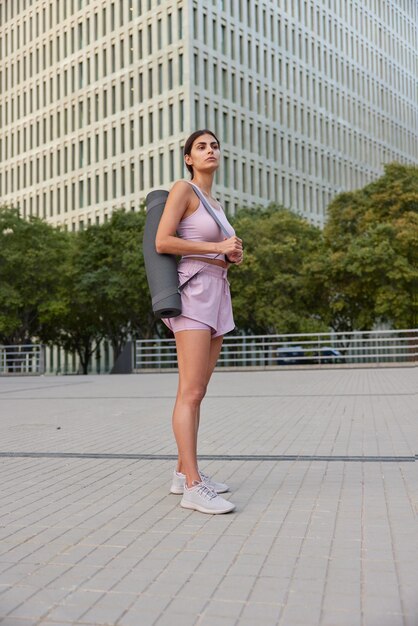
(192, 394)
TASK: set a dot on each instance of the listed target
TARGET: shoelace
(206, 491)
(205, 478)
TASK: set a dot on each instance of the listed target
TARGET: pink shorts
(205, 300)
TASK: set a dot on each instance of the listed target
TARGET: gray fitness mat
(161, 269)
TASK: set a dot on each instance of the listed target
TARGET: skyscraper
(308, 98)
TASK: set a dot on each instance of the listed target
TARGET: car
(326, 354)
(290, 355)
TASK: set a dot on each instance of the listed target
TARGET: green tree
(103, 293)
(72, 319)
(116, 275)
(272, 290)
(370, 267)
(32, 254)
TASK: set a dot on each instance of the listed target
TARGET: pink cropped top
(200, 226)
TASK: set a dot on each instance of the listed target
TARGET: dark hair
(190, 141)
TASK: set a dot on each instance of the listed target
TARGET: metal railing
(23, 359)
(376, 346)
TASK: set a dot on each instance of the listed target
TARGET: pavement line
(172, 397)
(42, 387)
(214, 457)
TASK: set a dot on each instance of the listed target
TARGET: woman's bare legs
(197, 355)
(215, 348)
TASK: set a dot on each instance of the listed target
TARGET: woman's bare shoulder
(181, 190)
(181, 186)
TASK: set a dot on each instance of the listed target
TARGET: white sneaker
(203, 498)
(177, 484)
(218, 487)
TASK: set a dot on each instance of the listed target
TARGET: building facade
(308, 98)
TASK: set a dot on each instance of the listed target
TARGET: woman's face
(205, 154)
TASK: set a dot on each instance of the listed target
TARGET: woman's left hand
(236, 258)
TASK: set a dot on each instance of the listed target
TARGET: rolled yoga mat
(161, 269)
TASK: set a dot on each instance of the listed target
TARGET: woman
(206, 310)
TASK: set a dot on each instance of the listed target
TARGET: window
(131, 135)
(103, 22)
(169, 29)
(150, 127)
(195, 23)
(105, 102)
(196, 113)
(160, 78)
(104, 62)
(205, 33)
(141, 130)
(122, 53)
(132, 178)
(225, 126)
(170, 119)
(105, 186)
(180, 23)
(226, 171)
(181, 115)
(223, 39)
(113, 57)
(141, 85)
(80, 36)
(131, 48)
(170, 73)
(224, 83)
(96, 107)
(161, 168)
(88, 64)
(105, 155)
(121, 12)
(140, 42)
(171, 164)
(196, 68)
(131, 91)
(141, 174)
(113, 99)
(159, 34)
(205, 74)
(151, 171)
(160, 123)
(150, 83)
(149, 34)
(180, 66)
(95, 27)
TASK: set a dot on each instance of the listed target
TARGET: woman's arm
(178, 201)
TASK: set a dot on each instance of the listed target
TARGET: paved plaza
(322, 466)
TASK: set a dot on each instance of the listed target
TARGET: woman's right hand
(231, 247)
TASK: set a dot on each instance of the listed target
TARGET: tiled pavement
(322, 467)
